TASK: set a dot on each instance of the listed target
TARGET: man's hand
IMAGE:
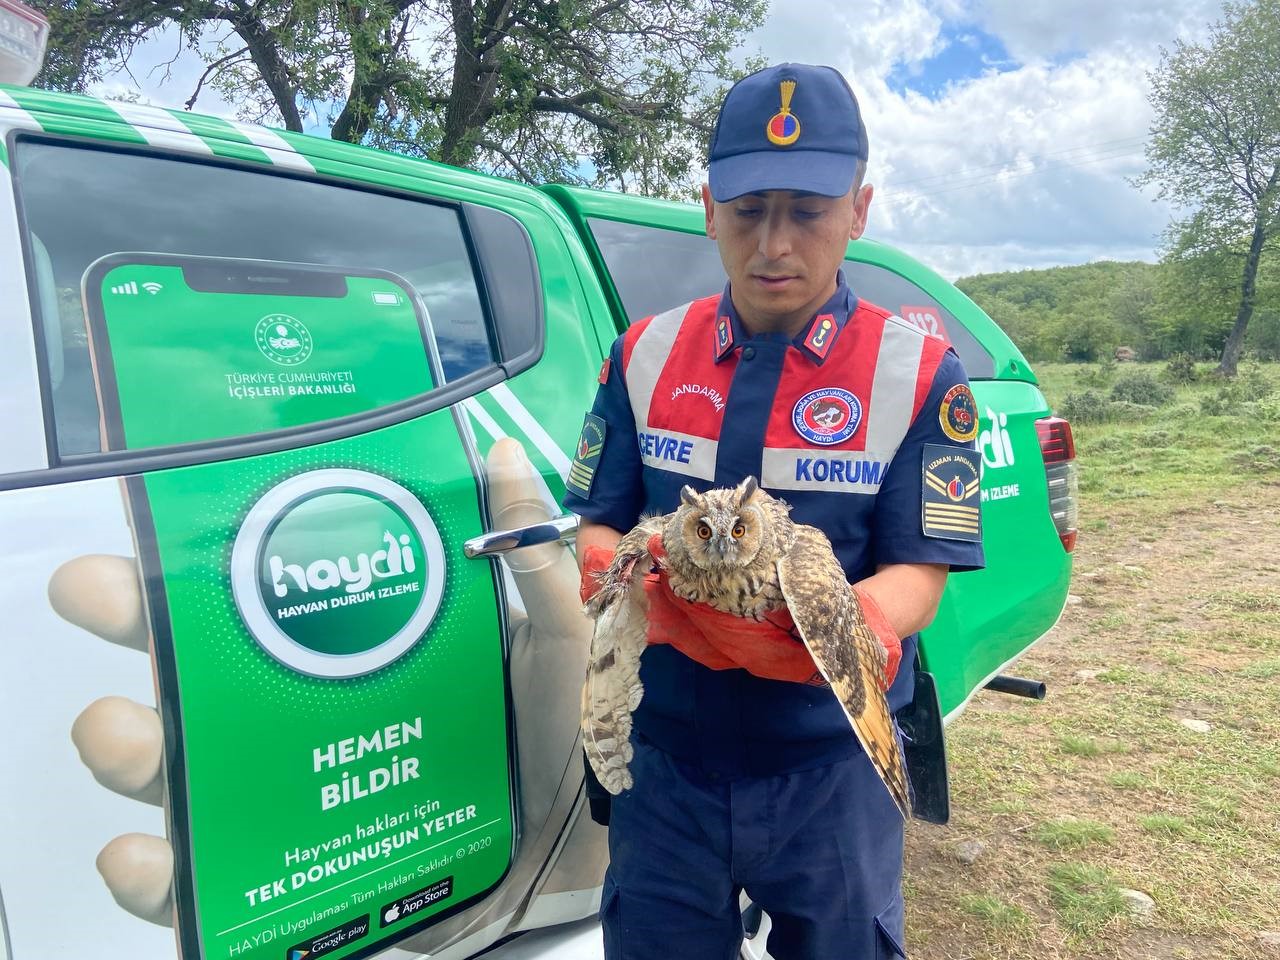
(122, 742)
(768, 648)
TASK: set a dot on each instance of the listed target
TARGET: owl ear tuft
(746, 490)
(690, 496)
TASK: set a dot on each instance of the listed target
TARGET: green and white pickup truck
(293, 651)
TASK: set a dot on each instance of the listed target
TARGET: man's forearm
(907, 593)
(591, 534)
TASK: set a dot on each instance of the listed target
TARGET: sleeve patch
(950, 498)
(582, 472)
(958, 414)
(604, 372)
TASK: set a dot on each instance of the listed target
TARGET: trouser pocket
(889, 931)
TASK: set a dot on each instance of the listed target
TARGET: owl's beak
(724, 546)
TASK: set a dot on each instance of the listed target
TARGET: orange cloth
(769, 648)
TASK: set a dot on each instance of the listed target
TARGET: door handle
(500, 541)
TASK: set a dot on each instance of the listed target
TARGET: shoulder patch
(949, 493)
(604, 372)
(958, 414)
(586, 457)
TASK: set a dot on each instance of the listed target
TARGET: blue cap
(789, 127)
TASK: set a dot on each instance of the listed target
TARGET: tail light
(1059, 450)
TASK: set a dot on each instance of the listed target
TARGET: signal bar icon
(130, 289)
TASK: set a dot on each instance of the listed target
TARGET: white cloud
(1004, 170)
(1037, 29)
(864, 39)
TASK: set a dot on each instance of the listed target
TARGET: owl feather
(738, 550)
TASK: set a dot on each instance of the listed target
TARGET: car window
(655, 269)
(80, 205)
(897, 294)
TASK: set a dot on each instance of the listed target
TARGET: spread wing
(612, 689)
(827, 614)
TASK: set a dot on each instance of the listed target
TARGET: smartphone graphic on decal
(333, 693)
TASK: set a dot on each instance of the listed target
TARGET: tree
(1215, 145)
(588, 91)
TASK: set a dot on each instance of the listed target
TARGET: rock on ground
(967, 851)
(1140, 905)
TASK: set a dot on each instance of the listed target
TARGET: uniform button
(748, 353)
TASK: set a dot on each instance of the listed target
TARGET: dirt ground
(1101, 788)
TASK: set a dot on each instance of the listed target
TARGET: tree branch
(521, 172)
(211, 69)
(262, 47)
(575, 107)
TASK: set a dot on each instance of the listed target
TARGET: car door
(262, 396)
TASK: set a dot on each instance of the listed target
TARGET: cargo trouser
(819, 850)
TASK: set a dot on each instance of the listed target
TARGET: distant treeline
(1158, 310)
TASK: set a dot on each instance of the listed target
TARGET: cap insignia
(783, 128)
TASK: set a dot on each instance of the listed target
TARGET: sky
(1004, 133)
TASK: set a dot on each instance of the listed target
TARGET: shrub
(1141, 387)
(1091, 406)
(1122, 411)
(1262, 458)
(1086, 406)
(1181, 368)
(1251, 394)
(1101, 373)
(1254, 383)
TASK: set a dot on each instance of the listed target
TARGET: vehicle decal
(176, 130)
(15, 115)
(490, 426)
(58, 113)
(533, 430)
(281, 152)
(994, 442)
(160, 129)
(222, 137)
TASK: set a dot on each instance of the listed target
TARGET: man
(742, 781)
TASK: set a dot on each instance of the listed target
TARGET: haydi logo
(353, 574)
(994, 443)
(336, 573)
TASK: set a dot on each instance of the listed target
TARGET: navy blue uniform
(843, 422)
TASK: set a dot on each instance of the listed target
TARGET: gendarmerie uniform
(864, 425)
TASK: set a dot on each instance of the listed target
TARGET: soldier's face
(782, 249)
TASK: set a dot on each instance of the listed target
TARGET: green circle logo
(283, 339)
(337, 572)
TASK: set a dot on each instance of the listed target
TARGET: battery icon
(386, 299)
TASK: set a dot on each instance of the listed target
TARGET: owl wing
(612, 688)
(830, 621)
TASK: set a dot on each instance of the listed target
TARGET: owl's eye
(738, 531)
(704, 532)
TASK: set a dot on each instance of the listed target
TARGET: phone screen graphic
(205, 349)
(329, 669)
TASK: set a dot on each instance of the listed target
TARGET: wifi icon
(152, 287)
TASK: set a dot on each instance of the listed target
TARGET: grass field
(1103, 788)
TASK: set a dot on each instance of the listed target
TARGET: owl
(739, 551)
